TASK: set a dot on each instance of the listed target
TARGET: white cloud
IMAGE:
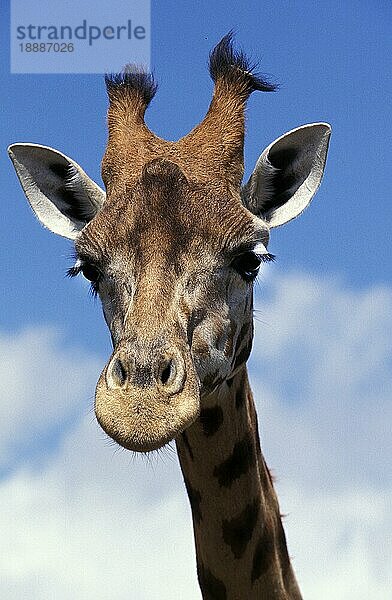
(43, 386)
(322, 366)
(340, 542)
(95, 523)
(321, 373)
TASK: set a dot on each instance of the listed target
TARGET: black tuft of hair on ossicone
(234, 67)
(131, 81)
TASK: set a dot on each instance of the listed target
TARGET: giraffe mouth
(138, 435)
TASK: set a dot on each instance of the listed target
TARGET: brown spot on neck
(238, 531)
(211, 419)
(238, 463)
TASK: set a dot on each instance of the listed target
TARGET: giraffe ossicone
(172, 248)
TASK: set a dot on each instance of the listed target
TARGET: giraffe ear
(62, 196)
(287, 174)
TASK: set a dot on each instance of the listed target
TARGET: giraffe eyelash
(75, 270)
(89, 271)
(262, 253)
(266, 258)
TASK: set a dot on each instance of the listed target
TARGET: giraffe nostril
(116, 373)
(170, 376)
(168, 372)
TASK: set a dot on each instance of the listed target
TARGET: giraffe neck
(240, 543)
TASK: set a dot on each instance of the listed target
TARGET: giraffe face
(173, 263)
(170, 247)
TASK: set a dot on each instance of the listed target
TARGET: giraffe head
(173, 245)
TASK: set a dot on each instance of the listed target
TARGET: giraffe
(172, 248)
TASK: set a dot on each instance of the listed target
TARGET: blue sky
(326, 304)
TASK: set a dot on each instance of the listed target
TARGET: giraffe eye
(91, 273)
(247, 265)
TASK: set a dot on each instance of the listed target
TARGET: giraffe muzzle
(147, 397)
